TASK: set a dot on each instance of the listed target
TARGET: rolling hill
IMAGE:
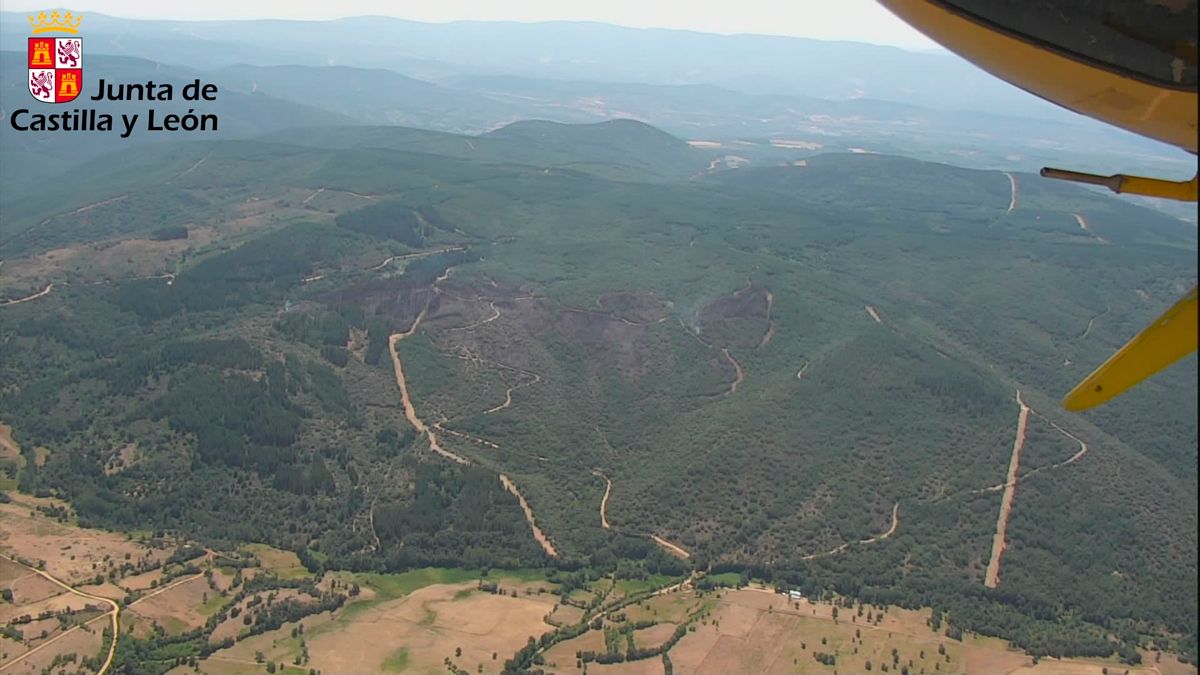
(766, 368)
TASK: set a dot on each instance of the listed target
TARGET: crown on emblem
(55, 22)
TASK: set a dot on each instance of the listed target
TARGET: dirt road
(766, 338)
(874, 314)
(495, 315)
(310, 197)
(1092, 322)
(869, 540)
(409, 411)
(1083, 225)
(421, 254)
(193, 167)
(537, 531)
(1083, 448)
(411, 414)
(739, 377)
(992, 577)
(677, 551)
(45, 291)
(604, 500)
(1012, 202)
(114, 614)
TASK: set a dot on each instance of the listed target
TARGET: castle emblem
(55, 63)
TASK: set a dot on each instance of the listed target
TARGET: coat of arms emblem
(55, 63)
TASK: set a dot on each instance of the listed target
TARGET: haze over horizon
(850, 20)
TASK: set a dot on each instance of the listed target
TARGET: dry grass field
(413, 633)
(758, 631)
(178, 608)
(426, 620)
(70, 553)
(75, 556)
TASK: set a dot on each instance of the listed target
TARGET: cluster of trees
(271, 616)
(261, 270)
(633, 653)
(387, 220)
(170, 232)
(160, 652)
(237, 420)
(457, 517)
(316, 329)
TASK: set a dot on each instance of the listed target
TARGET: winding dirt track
(1012, 203)
(409, 411)
(869, 540)
(1091, 323)
(673, 549)
(1083, 448)
(766, 338)
(1079, 454)
(411, 414)
(800, 373)
(604, 500)
(739, 377)
(44, 292)
(992, 577)
(495, 315)
(114, 613)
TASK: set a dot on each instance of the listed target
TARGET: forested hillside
(387, 348)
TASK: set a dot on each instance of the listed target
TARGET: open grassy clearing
(179, 608)
(83, 642)
(71, 553)
(409, 623)
(283, 564)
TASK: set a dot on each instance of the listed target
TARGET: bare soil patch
(8, 447)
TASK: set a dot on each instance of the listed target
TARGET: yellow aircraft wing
(1132, 64)
(1171, 337)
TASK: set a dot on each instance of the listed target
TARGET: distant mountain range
(805, 96)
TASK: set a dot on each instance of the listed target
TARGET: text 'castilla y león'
(90, 119)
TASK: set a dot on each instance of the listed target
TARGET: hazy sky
(860, 20)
